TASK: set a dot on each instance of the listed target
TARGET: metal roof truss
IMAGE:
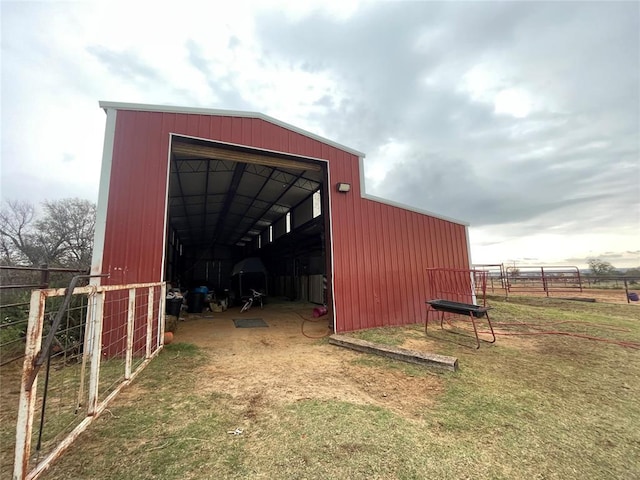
(217, 198)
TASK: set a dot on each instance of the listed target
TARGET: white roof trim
(140, 107)
(103, 198)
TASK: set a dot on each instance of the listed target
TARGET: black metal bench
(459, 308)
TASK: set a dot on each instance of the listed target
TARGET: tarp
(249, 265)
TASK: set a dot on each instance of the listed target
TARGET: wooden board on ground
(402, 354)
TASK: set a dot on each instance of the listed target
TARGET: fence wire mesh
(16, 283)
(62, 395)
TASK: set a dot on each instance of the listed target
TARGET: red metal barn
(187, 193)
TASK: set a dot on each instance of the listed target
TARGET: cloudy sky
(521, 118)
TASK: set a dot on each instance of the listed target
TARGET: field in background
(526, 407)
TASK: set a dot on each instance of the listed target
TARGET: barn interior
(241, 219)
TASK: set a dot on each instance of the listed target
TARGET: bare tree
(16, 231)
(66, 231)
(600, 268)
(62, 236)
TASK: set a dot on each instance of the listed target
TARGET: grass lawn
(529, 407)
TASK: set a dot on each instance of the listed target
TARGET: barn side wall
(379, 251)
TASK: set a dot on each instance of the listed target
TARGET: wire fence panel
(80, 352)
(16, 283)
(61, 403)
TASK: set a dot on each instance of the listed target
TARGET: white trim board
(165, 233)
(103, 196)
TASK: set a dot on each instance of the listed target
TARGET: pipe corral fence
(496, 275)
(543, 279)
(550, 280)
(81, 346)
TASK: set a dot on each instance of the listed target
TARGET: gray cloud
(222, 83)
(615, 258)
(572, 165)
(196, 57)
(124, 64)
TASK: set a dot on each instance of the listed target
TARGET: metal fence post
(131, 317)
(161, 313)
(149, 322)
(44, 276)
(626, 290)
(97, 320)
(28, 398)
(86, 347)
(544, 281)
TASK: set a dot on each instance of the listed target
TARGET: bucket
(633, 296)
(173, 306)
(195, 302)
(319, 312)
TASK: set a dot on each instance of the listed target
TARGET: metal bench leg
(475, 330)
(491, 328)
(426, 323)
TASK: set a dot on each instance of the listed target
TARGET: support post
(44, 275)
(26, 406)
(626, 290)
(149, 322)
(161, 313)
(131, 317)
(97, 322)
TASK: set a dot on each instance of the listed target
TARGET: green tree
(632, 272)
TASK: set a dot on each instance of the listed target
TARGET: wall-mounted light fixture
(344, 187)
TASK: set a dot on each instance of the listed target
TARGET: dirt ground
(260, 366)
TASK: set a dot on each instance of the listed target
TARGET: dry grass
(527, 407)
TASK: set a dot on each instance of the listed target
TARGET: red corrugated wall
(380, 252)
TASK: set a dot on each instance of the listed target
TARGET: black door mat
(249, 322)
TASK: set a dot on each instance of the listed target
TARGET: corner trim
(103, 196)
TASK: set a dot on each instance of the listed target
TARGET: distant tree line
(601, 269)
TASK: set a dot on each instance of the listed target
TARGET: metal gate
(83, 345)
